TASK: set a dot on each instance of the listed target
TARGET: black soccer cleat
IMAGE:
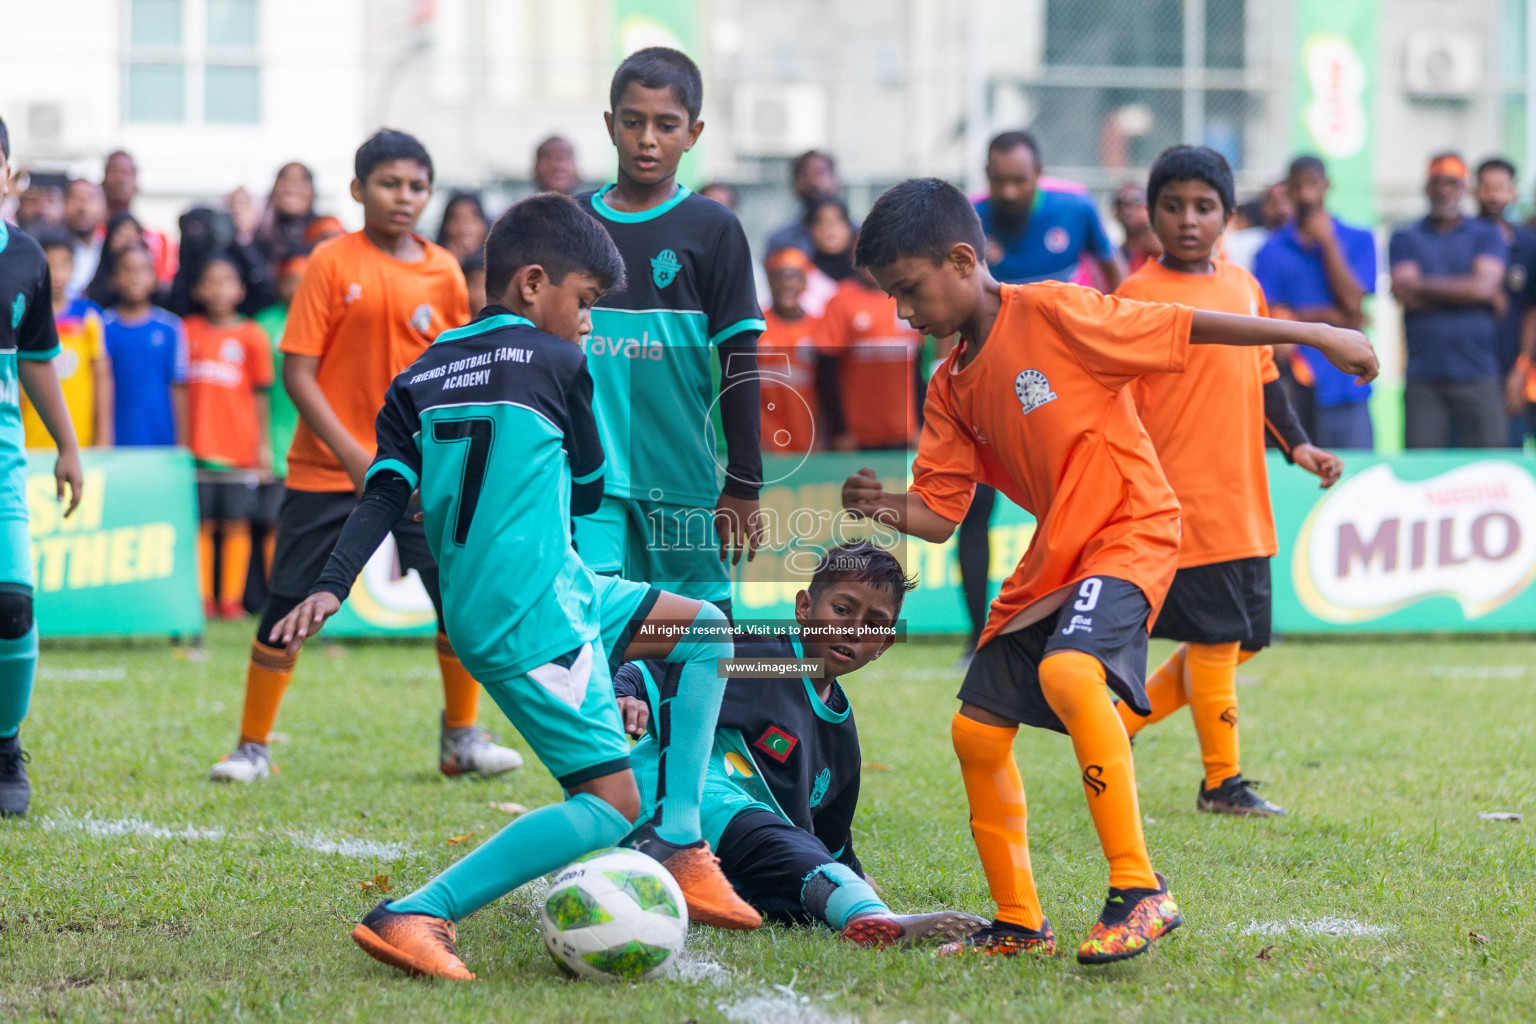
(1236, 796)
(15, 787)
(1003, 939)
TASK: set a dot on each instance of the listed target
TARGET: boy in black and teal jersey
(494, 426)
(666, 517)
(783, 781)
(29, 341)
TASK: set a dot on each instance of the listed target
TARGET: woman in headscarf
(290, 210)
(123, 232)
(464, 225)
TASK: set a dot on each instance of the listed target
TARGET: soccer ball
(614, 915)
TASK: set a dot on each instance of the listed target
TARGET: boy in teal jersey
(666, 517)
(783, 780)
(28, 343)
(494, 426)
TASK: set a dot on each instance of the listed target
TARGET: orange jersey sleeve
(315, 308)
(1118, 340)
(1207, 423)
(948, 464)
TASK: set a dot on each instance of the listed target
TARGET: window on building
(193, 62)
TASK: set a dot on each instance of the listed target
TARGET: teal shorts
(622, 606)
(15, 552)
(674, 547)
(568, 715)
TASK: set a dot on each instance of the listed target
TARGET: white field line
(693, 967)
(780, 1005)
(114, 828)
(366, 849)
(83, 675)
(1473, 671)
(1337, 927)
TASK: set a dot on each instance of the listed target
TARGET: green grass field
(136, 890)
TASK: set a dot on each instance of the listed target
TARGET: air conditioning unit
(1442, 65)
(779, 119)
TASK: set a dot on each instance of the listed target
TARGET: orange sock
(206, 530)
(998, 817)
(1165, 691)
(1244, 657)
(236, 564)
(461, 694)
(1213, 704)
(1073, 684)
(266, 680)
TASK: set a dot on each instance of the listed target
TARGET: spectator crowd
(174, 340)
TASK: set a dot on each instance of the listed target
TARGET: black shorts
(1217, 604)
(1105, 618)
(767, 860)
(227, 500)
(269, 501)
(308, 524)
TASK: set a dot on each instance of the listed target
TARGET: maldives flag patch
(776, 743)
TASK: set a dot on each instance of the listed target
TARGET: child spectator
(84, 371)
(229, 371)
(123, 233)
(878, 378)
(787, 360)
(148, 350)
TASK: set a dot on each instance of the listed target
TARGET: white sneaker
(473, 749)
(248, 763)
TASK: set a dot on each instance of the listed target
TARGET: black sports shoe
(1003, 939)
(15, 787)
(1236, 796)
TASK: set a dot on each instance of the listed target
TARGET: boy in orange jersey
(788, 361)
(1207, 425)
(229, 373)
(879, 382)
(1033, 401)
(368, 305)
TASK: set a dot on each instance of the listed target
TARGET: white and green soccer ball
(614, 915)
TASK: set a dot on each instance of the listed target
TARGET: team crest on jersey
(1056, 239)
(823, 780)
(421, 319)
(664, 268)
(66, 363)
(1033, 389)
(18, 310)
(776, 743)
(231, 351)
(1515, 279)
(354, 292)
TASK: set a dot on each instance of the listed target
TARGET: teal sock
(533, 845)
(688, 724)
(836, 894)
(18, 670)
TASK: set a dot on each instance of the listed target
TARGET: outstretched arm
(383, 502)
(1349, 350)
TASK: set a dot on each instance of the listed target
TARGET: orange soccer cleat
(414, 943)
(711, 898)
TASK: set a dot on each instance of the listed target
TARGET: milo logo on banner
(1378, 544)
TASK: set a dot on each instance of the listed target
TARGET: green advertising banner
(1335, 80)
(125, 563)
(1412, 544)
